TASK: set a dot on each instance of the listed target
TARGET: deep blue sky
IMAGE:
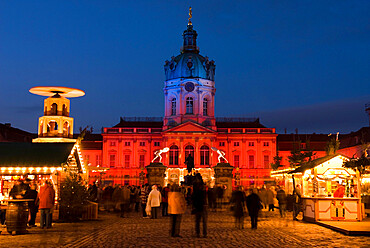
(294, 64)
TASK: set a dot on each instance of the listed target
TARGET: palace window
(112, 143)
(266, 161)
(112, 160)
(251, 144)
(174, 155)
(173, 106)
(251, 161)
(236, 161)
(127, 143)
(205, 107)
(142, 143)
(236, 143)
(157, 143)
(87, 159)
(127, 160)
(221, 143)
(142, 160)
(266, 144)
(98, 160)
(204, 155)
(189, 105)
(189, 150)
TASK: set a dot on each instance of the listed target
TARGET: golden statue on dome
(190, 16)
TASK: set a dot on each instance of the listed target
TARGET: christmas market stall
(31, 163)
(328, 190)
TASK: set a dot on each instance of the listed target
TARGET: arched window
(64, 110)
(54, 109)
(65, 129)
(205, 107)
(41, 128)
(204, 155)
(174, 155)
(173, 106)
(52, 126)
(189, 149)
(189, 105)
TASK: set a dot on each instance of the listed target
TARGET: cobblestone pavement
(134, 231)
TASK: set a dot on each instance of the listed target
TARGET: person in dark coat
(144, 198)
(281, 197)
(164, 193)
(270, 199)
(212, 198)
(297, 201)
(253, 205)
(220, 196)
(199, 202)
(16, 191)
(107, 197)
(124, 200)
(32, 206)
(238, 199)
(93, 192)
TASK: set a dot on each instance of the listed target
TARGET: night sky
(294, 64)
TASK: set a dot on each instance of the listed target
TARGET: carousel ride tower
(56, 125)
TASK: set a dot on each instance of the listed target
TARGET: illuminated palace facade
(189, 126)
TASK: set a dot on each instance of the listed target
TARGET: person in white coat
(154, 201)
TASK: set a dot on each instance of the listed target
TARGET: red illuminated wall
(128, 147)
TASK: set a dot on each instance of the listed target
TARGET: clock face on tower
(189, 86)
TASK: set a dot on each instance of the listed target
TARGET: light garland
(77, 147)
(283, 171)
(25, 170)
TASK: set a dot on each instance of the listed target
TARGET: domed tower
(189, 88)
(56, 125)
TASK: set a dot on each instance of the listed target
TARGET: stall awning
(34, 154)
(314, 163)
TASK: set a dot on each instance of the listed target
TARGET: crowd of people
(42, 198)
(256, 199)
(174, 200)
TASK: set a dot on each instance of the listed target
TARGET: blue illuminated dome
(190, 64)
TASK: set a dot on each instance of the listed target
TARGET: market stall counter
(331, 208)
(328, 191)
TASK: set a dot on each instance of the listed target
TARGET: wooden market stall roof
(34, 154)
(313, 163)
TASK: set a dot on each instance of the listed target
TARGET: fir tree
(361, 164)
(300, 155)
(73, 197)
(332, 146)
(277, 162)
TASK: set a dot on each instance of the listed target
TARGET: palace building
(189, 126)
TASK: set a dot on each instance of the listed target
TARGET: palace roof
(224, 122)
(150, 122)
